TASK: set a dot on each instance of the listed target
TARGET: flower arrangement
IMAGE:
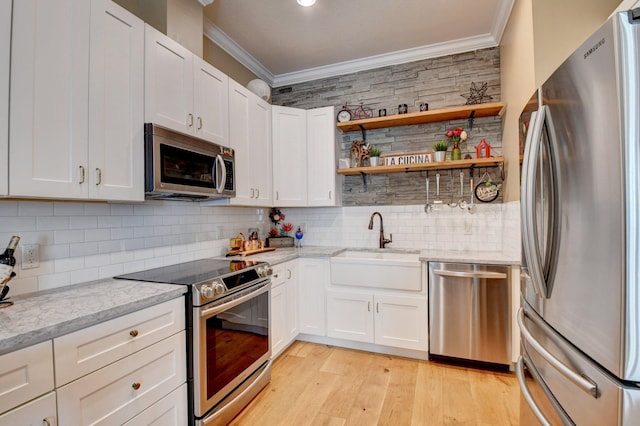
(276, 217)
(456, 136)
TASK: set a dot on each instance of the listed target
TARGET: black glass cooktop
(190, 273)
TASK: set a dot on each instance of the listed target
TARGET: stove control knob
(265, 271)
(218, 288)
(207, 291)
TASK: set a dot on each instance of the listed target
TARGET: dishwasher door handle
(477, 274)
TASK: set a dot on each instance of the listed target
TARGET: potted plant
(374, 154)
(440, 148)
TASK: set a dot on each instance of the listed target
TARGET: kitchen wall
(81, 242)
(439, 81)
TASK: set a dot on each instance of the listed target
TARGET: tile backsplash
(81, 242)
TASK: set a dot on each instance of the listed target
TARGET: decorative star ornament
(477, 95)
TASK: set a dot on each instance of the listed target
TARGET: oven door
(231, 341)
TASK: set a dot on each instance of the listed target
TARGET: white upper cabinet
(304, 157)
(75, 123)
(321, 158)
(183, 92)
(250, 137)
(5, 50)
(289, 156)
(49, 99)
(116, 104)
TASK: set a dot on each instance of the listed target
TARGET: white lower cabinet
(26, 374)
(314, 277)
(120, 391)
(384, 319)
(284, 306)
(41, 411)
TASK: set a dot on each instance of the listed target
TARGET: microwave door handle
(223, 173)
(531, 253)
(582, 381)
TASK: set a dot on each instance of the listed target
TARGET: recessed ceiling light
(306, 3)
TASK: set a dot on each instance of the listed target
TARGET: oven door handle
(207, 313)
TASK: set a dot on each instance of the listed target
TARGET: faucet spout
(383, 240)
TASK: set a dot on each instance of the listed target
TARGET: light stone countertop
(44, 315)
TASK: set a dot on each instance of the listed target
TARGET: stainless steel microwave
(182, 167)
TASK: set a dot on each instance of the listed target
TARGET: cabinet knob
(133, 333)
(136, 386)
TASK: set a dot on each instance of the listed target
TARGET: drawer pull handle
(136, 386)
(133, 333)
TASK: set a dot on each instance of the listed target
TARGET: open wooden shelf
(445, 114)
(458, 164)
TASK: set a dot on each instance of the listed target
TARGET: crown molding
(219, 37)
(387, 59)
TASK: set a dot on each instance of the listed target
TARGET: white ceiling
(284, 43)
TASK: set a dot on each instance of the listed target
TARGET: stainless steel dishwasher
(469, 313)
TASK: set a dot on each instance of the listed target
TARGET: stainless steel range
(228, 334)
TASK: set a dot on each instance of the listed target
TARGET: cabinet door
(41, 411)
(116, 104)
(5, 50)
(278, 312)
(168, 82)
(49, 100)
(402, 321)
(118, 392)
(239, 141)
(321, 157)
(350, 316)
(25, 374)
(289, 156)
(211, 102)
(261, 150)
(313, 278)
(291, 306)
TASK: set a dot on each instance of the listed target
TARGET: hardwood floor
(315, 384)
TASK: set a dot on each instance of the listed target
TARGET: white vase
(440, 156)
(375, 161)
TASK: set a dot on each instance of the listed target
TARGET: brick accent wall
(438, 82)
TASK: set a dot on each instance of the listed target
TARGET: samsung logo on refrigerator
(594, 48)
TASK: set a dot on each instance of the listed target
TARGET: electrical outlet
(467, 227)
(30, 256)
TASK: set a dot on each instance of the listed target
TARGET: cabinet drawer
(118, 392)
(170, 410)
(42, 411)
(86, 350)
(279, 275)
(25, 374)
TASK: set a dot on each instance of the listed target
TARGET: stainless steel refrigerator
(580, 315)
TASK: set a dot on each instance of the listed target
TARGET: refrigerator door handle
(527, 394)
(479, 275)
(582, 381)
(527, 205)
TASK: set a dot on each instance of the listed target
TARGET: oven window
(236, 338)
(183, 167)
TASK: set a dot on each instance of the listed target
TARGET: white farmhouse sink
(377, 269)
